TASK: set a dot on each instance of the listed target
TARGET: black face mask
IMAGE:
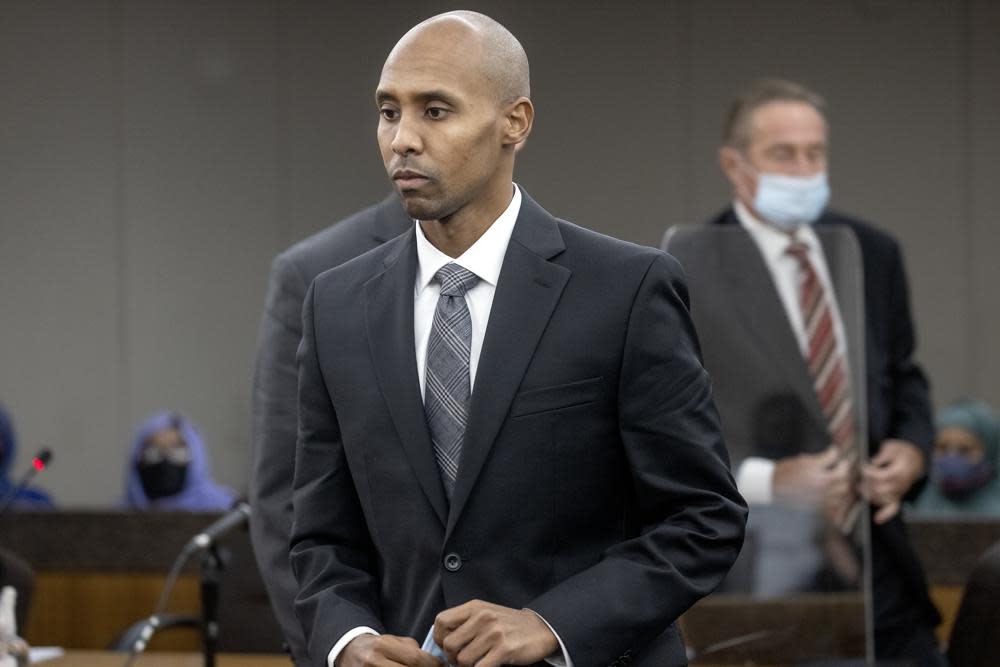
(161, 479)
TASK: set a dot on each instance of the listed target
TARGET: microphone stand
(212, 565)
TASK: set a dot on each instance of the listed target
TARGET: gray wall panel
(60, 340)
(200, 195)
(154, 155)
(982, 151)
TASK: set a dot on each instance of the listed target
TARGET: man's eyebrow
(423, 97)
(437, 96)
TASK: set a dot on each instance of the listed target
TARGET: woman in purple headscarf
(29, 498)
(168, 468)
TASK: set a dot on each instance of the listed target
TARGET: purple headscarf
(200, 492)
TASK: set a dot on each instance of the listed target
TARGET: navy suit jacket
(593, 486)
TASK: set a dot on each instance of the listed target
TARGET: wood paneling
(89, 610)
(171, 659)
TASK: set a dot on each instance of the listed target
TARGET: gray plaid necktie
(446, 385)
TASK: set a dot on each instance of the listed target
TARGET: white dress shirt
(485, 259)
(755, 475)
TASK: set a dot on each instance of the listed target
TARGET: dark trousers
(908, 646)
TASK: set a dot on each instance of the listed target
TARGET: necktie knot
(798, 249)
(455, 280)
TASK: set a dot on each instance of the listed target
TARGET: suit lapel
(389, 324)
(527, 292)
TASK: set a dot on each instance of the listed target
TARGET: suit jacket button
(453, 562)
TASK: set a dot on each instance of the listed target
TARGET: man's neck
(456, 233)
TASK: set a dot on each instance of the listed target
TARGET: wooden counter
(164, 659)
(98, 572)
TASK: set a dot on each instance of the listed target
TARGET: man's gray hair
(736, 132)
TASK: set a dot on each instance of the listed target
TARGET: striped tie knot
(455, 280)
(798, 250)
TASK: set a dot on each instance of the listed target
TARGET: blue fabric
(975, 417)
(200, 492)
(27, 498)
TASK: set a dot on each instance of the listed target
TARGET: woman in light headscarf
(168, 468)
(964, 474)
(29, 498)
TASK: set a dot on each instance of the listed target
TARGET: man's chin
(420, 208)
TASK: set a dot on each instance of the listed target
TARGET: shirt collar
(483, 258)
(772, 241)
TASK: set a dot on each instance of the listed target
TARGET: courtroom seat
(975, 637)
(14, 571)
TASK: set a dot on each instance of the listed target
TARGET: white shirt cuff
(562, 659)
(754, 479)
(331, 657)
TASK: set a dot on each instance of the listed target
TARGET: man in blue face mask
(787, 379)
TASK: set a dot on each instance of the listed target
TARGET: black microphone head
(37, 465)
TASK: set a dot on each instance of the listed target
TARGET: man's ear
(732, 166)
(519, 118)
(729, 160)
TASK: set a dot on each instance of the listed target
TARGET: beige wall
(155, 155)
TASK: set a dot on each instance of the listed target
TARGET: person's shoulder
(345, 239)
(353, 273)
(588, 249)
(578, 236)
(34, 498)
(872, 239)
(726, 216)
(571, 244)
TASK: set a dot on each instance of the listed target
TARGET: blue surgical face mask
(958, 477)
(790, 201)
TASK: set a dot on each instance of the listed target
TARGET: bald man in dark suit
(507, 442)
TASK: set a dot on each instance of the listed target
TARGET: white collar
(483, 258)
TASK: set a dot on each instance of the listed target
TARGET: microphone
(38, 464)
(235, 518)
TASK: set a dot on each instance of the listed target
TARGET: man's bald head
(453, 106)
(502, 61)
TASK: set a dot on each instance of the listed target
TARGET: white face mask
(790, 201)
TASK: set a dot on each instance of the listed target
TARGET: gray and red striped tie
(827, 364)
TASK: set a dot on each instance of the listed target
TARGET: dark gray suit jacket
(275, 392)
(760, 379)
(763, 387)
(593, 486)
